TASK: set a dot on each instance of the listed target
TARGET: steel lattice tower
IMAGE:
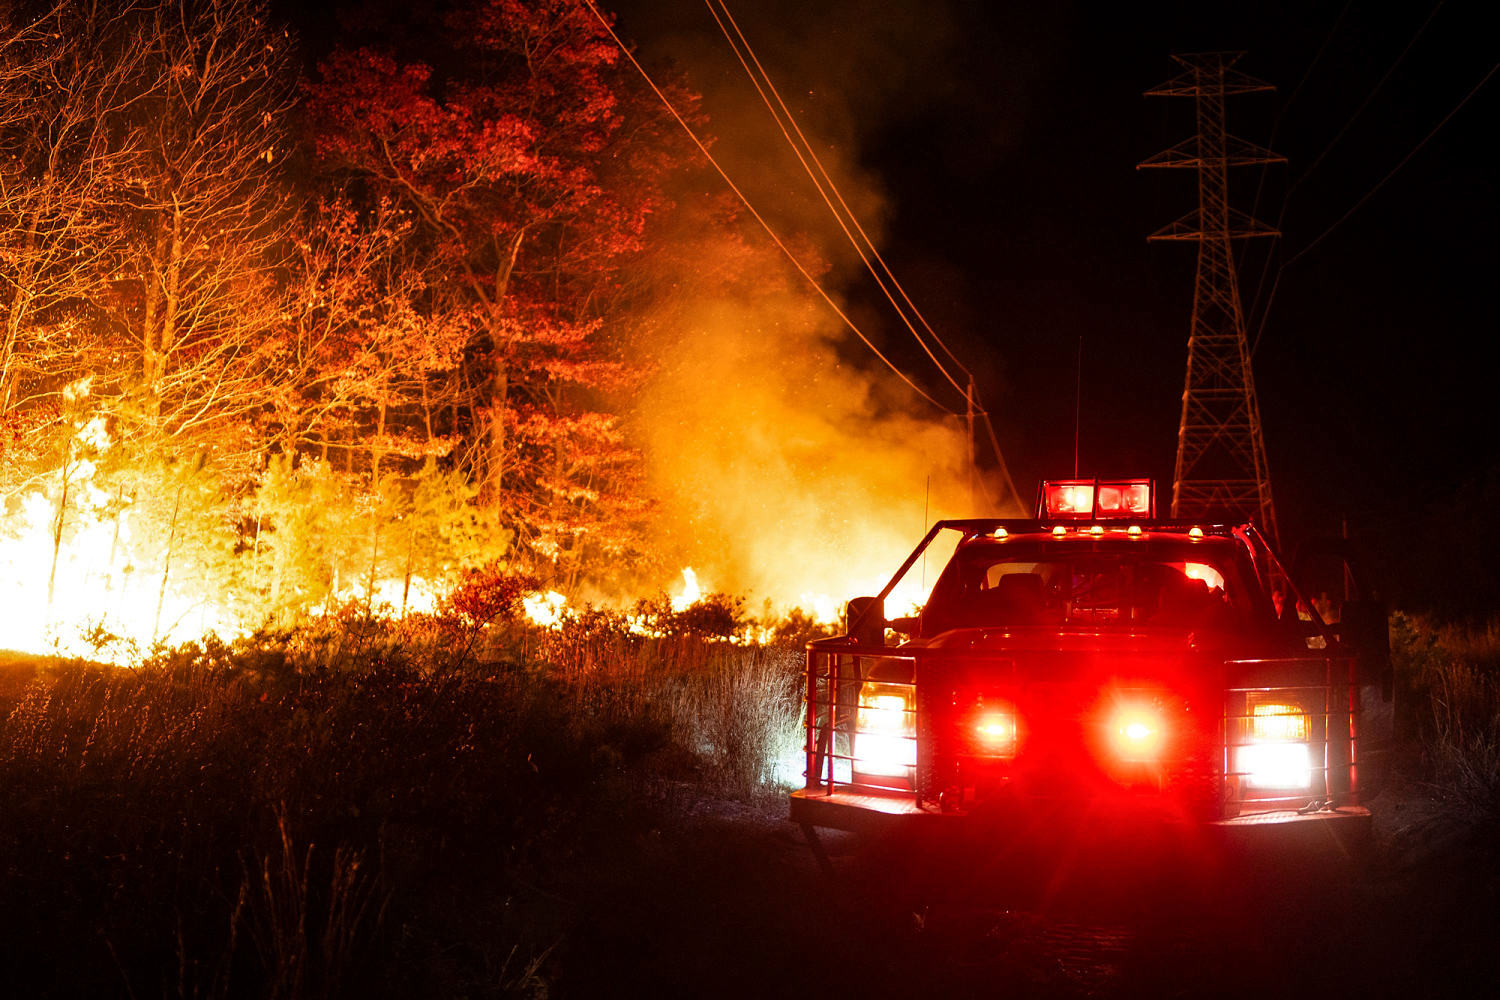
(1221, 472)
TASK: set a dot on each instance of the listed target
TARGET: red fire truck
(1098, 661)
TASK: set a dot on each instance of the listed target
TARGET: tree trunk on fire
(494, 466)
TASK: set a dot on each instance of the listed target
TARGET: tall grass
(1449, 677)
(353, 806)
(734, 709)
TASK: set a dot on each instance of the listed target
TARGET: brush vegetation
(356, 805)
(461, 805)
(1448, 677)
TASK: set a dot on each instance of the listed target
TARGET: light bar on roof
(1067, 498)
(1101, 499)
(1125, 498)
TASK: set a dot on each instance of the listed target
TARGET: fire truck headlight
(1272, 721)
(886, 730)
(1276, 753)
(1276, 765)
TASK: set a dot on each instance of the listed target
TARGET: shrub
(714, 615)
(1450, 676)
(798, 628)
(328, 808)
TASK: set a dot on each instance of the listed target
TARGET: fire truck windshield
(1185, 586)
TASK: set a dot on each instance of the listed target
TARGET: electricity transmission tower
(1221, 472)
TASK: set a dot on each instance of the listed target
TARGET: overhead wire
(758, 75)
(802, 269)
(1271, 144)
(1292, 97)
(1010, 483)
(1367, 196)
(762, 82)
(1255, 303)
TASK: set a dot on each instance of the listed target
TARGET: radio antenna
(926, 507)
(1077, 407)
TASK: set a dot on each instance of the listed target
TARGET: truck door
(1336, 574)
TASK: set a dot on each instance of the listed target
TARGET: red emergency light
(1097, 499)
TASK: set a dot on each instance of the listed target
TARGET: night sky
(995, 144)
(1001, 139)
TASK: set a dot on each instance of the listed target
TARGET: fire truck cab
(1097, 660)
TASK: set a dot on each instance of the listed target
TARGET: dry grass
(1449, 677)
(352, 808)
(308, 940)
(735, 709)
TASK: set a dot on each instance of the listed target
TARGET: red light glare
(1092, 498)
(1131, 498)
(997, 729)
(1136, 732)
(1069, 499)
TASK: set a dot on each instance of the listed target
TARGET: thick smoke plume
(787, 474)
(792, 466)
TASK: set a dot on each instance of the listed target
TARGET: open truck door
(1336, 575)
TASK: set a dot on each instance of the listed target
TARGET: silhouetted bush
(1449, 675)
(355, 804)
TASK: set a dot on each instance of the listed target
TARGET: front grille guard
(870, 729)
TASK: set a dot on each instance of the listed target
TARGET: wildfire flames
(89, 587)
(80, 597)
(86, 594)
(232, 393)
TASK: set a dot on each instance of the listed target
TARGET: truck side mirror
(906, 626)
(866, 618)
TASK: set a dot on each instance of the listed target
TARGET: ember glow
(87, 595)
(545, 610)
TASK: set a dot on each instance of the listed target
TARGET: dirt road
(736, 906)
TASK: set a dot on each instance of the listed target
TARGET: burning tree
(58, 241)
(142, 215)
(529, 170)
(243, 376)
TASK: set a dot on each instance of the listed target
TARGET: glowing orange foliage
(529, 168)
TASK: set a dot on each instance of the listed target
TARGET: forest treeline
(280, 328)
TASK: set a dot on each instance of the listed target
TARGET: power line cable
(1368, 97)
(1369, 194)
(874, 251)
(999, 458)
(1255, 302)
(758, 217)
(1271, 144)
(1292, 97)
(854, 220)
(798, 151)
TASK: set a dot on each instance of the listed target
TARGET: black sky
(1003, 138)
(995, 142)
